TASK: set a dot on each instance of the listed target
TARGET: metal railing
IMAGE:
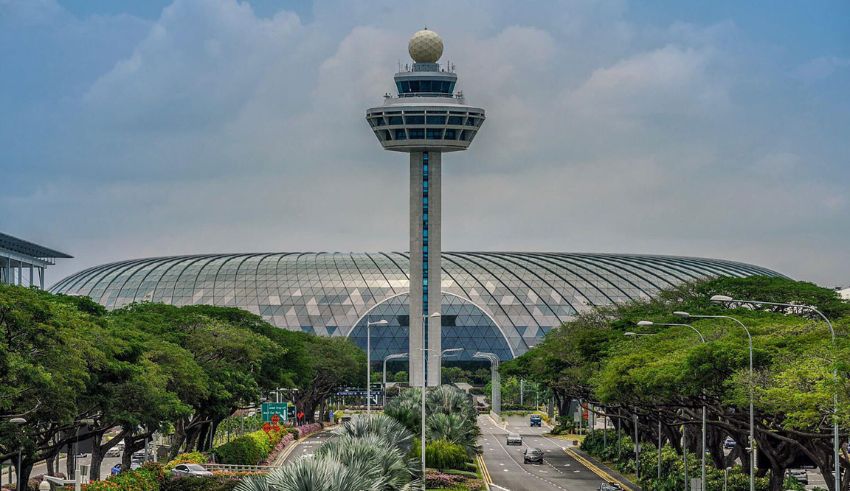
(238, 468)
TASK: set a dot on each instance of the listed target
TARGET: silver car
(513, 439)
(182, 470)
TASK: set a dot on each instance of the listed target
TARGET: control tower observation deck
(426, 118)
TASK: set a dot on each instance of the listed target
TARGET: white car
(513, 439)
(182, 470)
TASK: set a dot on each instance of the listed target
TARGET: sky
(718, 129)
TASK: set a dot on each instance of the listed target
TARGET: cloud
(213, 128)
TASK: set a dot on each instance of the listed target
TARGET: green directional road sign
(270, 409)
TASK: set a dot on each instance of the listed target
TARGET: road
(559, 471)
(307, 446)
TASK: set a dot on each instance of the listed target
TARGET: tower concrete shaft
(425, 268)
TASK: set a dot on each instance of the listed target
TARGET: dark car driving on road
(532, 455)
(535, 420)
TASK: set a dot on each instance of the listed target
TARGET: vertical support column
(31, 276)
(435, 341)
(416, 374)
(41, 277)
(425, 298)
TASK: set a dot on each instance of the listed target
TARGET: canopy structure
(23, 262)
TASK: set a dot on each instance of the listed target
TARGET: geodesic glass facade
(493, 298)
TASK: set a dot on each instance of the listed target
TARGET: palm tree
(393, 433)
(370, 456)
(454, 428)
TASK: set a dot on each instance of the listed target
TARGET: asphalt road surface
(558, 472)
(306, 446)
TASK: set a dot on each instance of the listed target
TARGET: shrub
(146, 478)
(308, 429)
(214, 483)
(441, 454)
(249, 449)
(186, 458)
(442, 480)
(294, 432)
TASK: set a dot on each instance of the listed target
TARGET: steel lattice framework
(500, 302)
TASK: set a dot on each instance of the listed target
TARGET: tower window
(435, 120)
(399, 134)
(395, 120)
(451, 134)
(416, 134)
(458, 120)
(434, 134)
(415, 119)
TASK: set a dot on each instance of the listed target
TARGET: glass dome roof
(523, 295)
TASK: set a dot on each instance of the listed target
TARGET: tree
(670, 375)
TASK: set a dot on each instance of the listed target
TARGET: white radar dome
(425, 46)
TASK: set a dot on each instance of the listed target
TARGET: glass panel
(416, 134)
(415, 119)
(399, 134)
(434, 133)
(395, 120)
(435, 119)
(458, 120)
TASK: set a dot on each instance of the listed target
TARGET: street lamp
(369, 324)
(753, 451)
(435, 315)
(20, 422)
(725, 299)
(495, 383)
(450, 351)
(702, 340)
(396, 356)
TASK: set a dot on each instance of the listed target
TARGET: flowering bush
(286, 440)
(439, 480)
(149, 477)
(309, 429)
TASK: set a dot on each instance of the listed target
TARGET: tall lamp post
(435, 315)
(726, 300)
(369, 325)
(19, 485)
(395, 356)
(702, 340)
(753, 451)
(495, 385)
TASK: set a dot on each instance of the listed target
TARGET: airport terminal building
(500, 302)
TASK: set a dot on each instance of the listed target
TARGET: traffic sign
(267, 427)
(271, 409)
(275, 419)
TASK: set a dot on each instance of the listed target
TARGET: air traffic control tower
(425, 119)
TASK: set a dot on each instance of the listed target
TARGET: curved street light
(435, 315)
(19, 471)
(369, 324)
(495, 380)
(753, 451)
(727, 300)
(702, 340)
(395, 356)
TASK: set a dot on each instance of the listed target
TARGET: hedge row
(149, 477)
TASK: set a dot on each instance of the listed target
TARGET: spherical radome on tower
(425, 46)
